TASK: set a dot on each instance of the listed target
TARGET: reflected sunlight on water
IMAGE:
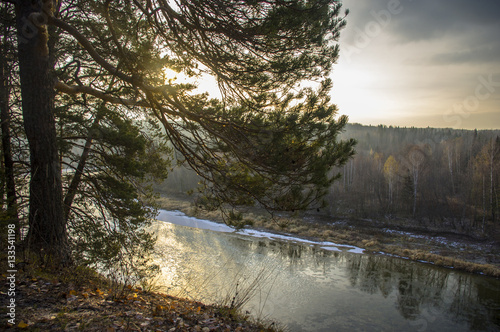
(311, 289)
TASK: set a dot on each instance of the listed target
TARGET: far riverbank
(439, 248)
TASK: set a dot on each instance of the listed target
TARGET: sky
(421, 63)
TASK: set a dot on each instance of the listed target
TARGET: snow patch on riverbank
(179, 218)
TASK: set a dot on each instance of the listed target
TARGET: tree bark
(47, 226)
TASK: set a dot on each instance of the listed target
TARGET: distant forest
(444, 178)
(432, 175)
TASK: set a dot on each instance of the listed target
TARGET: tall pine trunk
(47, 226)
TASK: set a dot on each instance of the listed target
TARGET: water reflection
(311, 289)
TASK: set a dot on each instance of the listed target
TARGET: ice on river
(179, 218)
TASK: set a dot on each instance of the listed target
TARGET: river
(309, 286)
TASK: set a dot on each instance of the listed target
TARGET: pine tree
(88, 67)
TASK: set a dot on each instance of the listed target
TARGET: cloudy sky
(420, 63)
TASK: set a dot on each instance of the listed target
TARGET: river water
(310, 286)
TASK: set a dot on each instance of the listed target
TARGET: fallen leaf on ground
(22, 325)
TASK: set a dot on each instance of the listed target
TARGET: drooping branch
(90, 49)
(134, 80)
(224, 143)
(75, 89)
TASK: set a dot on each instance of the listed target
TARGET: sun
(205, 83)
(174, 77)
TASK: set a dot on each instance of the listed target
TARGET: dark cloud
(428, 19)
(471, 29)
(486, 54)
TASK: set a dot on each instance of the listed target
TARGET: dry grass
(172, 204)
(445, 261)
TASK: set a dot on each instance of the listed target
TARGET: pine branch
(134, 80)
(75, 89)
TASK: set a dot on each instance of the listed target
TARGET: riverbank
(448, 250)
(78, 299)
